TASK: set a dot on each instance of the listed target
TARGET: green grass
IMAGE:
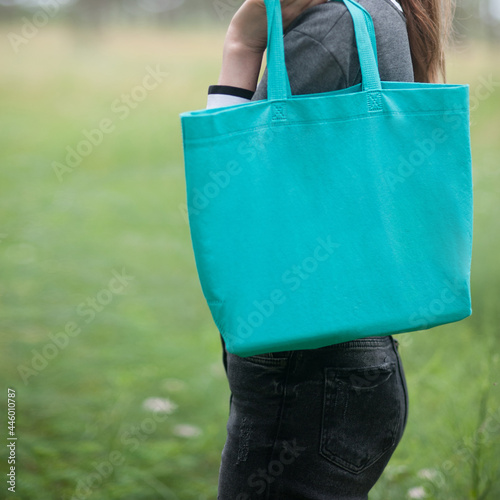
(119, 210)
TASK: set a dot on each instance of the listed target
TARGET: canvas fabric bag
(329, 217)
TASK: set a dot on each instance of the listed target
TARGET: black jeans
(317, 424)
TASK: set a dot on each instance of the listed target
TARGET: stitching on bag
(363, 116)
(279, 112)
(374, 101)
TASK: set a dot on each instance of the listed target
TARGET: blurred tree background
(475, 17)
(104, 332)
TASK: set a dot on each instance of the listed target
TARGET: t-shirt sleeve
(311, 67)
(315, 64)
(321, 53)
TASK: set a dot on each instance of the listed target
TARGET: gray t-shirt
(321, 53)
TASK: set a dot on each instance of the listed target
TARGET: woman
(319, 424)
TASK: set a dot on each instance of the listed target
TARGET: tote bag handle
(278, 83)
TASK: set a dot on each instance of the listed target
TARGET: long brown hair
(428, 23)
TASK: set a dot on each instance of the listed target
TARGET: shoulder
(330, 25)
(319, 21)
(321, 53)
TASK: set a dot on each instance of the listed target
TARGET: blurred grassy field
(82, 428)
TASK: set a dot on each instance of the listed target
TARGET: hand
(246, 40)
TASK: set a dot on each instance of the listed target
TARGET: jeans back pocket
(361, 415)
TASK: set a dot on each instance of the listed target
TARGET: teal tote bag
(322, 218)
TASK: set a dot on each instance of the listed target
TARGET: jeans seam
(280, 421)
(395, 345)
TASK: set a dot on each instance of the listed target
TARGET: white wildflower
(186, 430)
(428, 474)
(159, 405)
(417, 492)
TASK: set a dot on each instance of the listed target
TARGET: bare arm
(246, 40)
